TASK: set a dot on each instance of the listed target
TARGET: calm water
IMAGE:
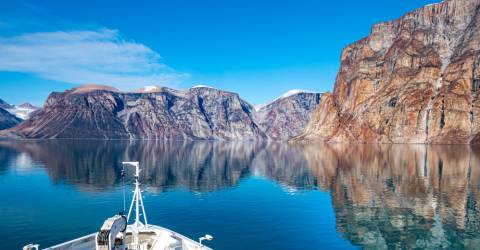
(248, 195)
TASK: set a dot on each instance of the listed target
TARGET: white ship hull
(152, 238)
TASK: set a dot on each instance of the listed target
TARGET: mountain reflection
(402, 196)
(384, 196)
(198, 166)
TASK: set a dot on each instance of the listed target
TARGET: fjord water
(249, 195)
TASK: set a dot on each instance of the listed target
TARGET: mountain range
(199, 113)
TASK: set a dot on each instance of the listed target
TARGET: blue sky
(259, 49)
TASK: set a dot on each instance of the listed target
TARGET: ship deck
(151, 238)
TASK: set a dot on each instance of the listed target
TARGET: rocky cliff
(412, 80)
(288, 115)
(200, 112)
(103, 112)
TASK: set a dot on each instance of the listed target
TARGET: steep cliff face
(92, 112)
(412, 80)
(288, 115)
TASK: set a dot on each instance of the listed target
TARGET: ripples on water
(249, 195)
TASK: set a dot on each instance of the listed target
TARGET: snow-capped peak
(27, 105)
(294, 92)
(202, 86)
(150, 88)
(22, 111)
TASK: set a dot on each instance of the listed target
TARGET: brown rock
(288, 115)
(91, 112)
(412, 80)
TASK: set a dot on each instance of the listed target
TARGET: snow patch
(150, 88)
(261, 106)
(22, 113)
(433, 4)
(438, 83)
(179, 93)
(202, 86)
(295, 92)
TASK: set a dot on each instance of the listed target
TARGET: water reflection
(399, 196)
(384, 196)
(198, 166)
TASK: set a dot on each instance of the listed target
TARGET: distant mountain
(103, 112)
(23, 111)
(287, 115)
(412, 80)
(27, 105)
(7, 120)
(5, 105)
(199, 113)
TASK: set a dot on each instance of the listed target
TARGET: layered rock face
(412, 80)
(288, 115)
(202, 112)
(92, 112)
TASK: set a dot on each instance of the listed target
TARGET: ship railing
(75, 242)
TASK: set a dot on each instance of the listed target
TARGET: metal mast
(138, 201)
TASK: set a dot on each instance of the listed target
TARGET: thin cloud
(98, 56)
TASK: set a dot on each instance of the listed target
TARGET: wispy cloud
(86, 56)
